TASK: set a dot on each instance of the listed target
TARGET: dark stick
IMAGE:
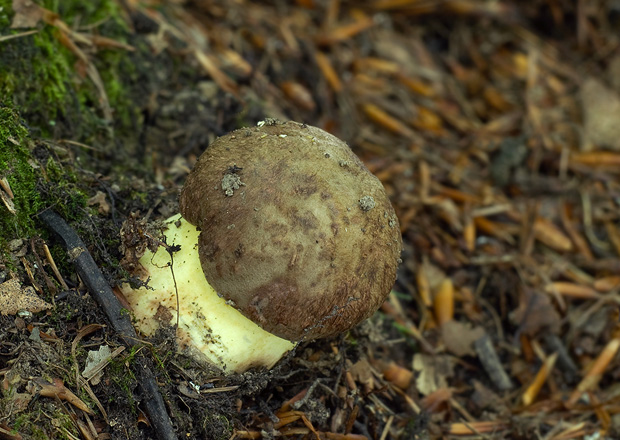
(119, 319)
(491, 363)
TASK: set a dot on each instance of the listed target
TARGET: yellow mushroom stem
(209, 329)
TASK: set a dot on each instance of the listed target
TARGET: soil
(492, 126)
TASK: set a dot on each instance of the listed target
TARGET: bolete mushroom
(285, 236)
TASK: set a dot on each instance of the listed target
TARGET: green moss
(17, 166)
(122, 375)
(161, 360)
(65, 427)
(49, 82)
(24, 425)
(35, 185)
(43, 92)
(63, 192)
(94, 11)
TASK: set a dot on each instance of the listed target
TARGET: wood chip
(491, 363)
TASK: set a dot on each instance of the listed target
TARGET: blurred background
(493, 125)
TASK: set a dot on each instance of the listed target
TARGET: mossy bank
(64, 82)
(71, 100)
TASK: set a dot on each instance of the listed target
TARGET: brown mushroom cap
(295, 230)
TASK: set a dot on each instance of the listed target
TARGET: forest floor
(494, 127)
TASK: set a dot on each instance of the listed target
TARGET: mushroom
(284, 236)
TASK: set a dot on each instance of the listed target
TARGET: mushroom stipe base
(209, 329)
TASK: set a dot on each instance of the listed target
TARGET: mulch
(493, 126)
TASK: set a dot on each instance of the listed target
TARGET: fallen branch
(102, 293)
